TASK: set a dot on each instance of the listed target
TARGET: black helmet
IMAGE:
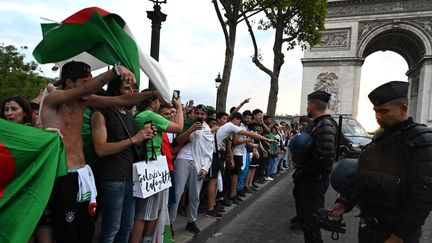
(342, 176)
(300, 146)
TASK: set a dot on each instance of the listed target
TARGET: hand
(214, 129)
(126, 74)
(50, 88)
(143, 134)
(196, 126)
(202, 173)
(393, 239)
(246, 101)
(265, 154)
(177, 103)
(232, 163)
(248, 140)
(337, 210)
(55, 130)
(255, 153)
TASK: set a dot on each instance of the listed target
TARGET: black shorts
(238, 160)
(72, 222)
(216, 166)
(255, 162)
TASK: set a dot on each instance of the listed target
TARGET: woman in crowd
(16, 109)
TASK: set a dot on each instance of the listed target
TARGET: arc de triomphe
(355, 29)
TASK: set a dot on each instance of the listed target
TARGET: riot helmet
(300, 146)
(343, 175)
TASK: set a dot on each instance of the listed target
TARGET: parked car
(353, 137)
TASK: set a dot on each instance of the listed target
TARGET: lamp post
(218, 82)
(157, 17)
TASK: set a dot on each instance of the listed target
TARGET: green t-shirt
(161, 124)
(273, 146)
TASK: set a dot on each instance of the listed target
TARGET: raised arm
(240, 106)
(87, 87)
(127, 99)
(176, 126)
(255, 135)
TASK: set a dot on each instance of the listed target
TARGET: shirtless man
(63, 109)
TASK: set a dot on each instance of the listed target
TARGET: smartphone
(200, 120)
(190, 104)
(176, 94)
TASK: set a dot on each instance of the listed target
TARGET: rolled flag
(30, 160)
(98, 38)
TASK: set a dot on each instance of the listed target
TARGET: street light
(218, 81)
(157, 17)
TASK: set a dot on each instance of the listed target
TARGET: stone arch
(356, 29)
(404, 38)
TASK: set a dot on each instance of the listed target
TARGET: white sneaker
(268, 178)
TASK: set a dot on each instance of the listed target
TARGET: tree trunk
(222, 91)
(278, 61)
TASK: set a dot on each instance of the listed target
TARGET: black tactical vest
(383, 169)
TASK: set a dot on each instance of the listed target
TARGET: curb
(212, 226)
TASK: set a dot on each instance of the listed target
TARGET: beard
(128, 107)
(309, 115)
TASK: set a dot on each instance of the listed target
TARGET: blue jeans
(244, 172)
(118, 210)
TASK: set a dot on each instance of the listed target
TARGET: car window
(351, 128)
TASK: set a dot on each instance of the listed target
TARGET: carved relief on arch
(366, 27)
(328, 82)
(334, 39)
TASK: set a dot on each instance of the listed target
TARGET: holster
(367, 230)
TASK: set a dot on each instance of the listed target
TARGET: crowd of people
(214, 158)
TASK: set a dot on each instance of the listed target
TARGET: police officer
(393, 182)
(312, 173)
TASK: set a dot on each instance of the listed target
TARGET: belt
(75, 169)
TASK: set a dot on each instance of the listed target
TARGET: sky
(192, 51)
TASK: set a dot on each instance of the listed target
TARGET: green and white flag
(98, 38)
(30, 160)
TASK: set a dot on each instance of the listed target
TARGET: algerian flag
(98, 38)
(30, 160)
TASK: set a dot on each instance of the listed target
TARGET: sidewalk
(210, 226)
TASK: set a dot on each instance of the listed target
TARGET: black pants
(297, 193)
(312, 198)
(380, 233)
(72, 222)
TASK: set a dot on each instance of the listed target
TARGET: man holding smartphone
(192, 164)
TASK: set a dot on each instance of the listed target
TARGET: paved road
(267, 220)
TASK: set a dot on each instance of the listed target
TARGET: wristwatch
(116, 70)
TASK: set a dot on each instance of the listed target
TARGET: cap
(73, 70)
(201, 107)
(319, 95)
(388, 92)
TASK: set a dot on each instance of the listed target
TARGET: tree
(16, 76)
(234, 12)
(296, 22)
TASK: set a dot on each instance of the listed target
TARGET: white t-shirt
(239, 149)
(224, 133)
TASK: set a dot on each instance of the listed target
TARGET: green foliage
(16, 76)
(301, 20)
(211, 108)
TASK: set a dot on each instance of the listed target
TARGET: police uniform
(393, 183)
(312, 174)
